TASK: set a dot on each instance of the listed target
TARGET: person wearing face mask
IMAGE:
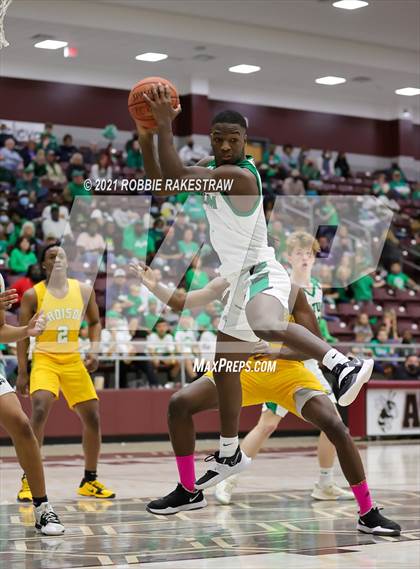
(410, 369)
(25, 207)
(192, 152)
(293, 185)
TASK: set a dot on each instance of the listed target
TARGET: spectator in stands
(195, 277)
(326, 213)
(188, 246)
(157, 233)
(134, 307)
(62, 209)
(391, 252)
(90, 243)
(21, 257)
(407, 340)
(4, 134)
(204, 319)
(398, 187)
(302, 157)
(31, 184)
(55, 173)
(124, 215)
(160, 344)
(32, 277)
(288, 161)
(208, 340)
(84, 341)
(137, 242)
(341, 165)
(55, 225)
(293, 185)
(118, 290)
(360, 352)
(134, 156)
(363, 288)
(180, 225)
(380, 185)
(67, 148)
(48, 138)
(193, 208)
(76, 163)
(344, 241)
(75, 187)
(410, 369)
(10, 161)
(342, 278)
(309, 170)
(28, 152)
(40, 164)
(25, 207)
(191, 152)
(381, 349)
(3, 243)
(169, 251)
(130, 142)
(151, 316)
(113, 240)
(362, 328)
(102, 170)
(326, 164)
(389, 323)
(185, 341)
(277, 238)
(398, 279)
(28, 230)
(270, 167)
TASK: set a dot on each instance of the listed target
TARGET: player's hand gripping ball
(140, 108)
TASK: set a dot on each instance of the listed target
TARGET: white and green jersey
(239, 238)
(314, 297)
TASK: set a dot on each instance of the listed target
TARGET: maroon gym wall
(83, 105)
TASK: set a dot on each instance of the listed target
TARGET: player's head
(228, 137)
(54, 257)
(302, 248)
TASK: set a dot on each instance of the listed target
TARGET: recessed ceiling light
(244, 68)
(350, 4)
(408, 91)
(330, 80)
(151, 56)
(50, 44)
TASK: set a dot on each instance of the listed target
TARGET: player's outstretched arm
(27, 309)
(176, 298)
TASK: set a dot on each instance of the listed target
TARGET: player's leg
(198, 396)
(326, 488)
(88, 412)
(17, 425)
(229, 459)
(268, 422)
(266, 316)
(322, 413)
(42, 402)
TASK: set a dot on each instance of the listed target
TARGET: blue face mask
(4, 219)
(24, 201)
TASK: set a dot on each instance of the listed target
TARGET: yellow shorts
(279, 386)
(72, 378)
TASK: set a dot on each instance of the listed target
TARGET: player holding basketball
(259, 285)
(291, 385)
(57, 363)
(301, 249)
(17, 425)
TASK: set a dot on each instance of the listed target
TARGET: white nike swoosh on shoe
(194, 498)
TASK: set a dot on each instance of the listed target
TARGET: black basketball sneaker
(180, 500)
(375, 523)
(224, 467)
(349, 378)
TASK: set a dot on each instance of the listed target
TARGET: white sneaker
(47, 521)
(224, 490)
(223, 468)
(331, 492)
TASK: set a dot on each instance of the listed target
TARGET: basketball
(139, 109)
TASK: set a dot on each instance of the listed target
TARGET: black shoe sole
(185, 508)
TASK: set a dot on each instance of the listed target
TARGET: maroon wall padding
(143, 412)
(86, 106)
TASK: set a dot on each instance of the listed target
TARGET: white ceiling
(293, 41)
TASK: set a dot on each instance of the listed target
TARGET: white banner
(393, 411)
(24, 130)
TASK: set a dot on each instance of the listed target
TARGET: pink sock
(362, 495)
(186, 471)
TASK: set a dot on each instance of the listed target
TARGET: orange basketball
(139, 109)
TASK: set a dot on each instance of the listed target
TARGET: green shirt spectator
(323, 326)
(134, 156)
(363, 289)
(137, 242)
(203, 321)
(187, 246)
(196, 279)
(400, 280)
(22, 257)
(193, 207)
